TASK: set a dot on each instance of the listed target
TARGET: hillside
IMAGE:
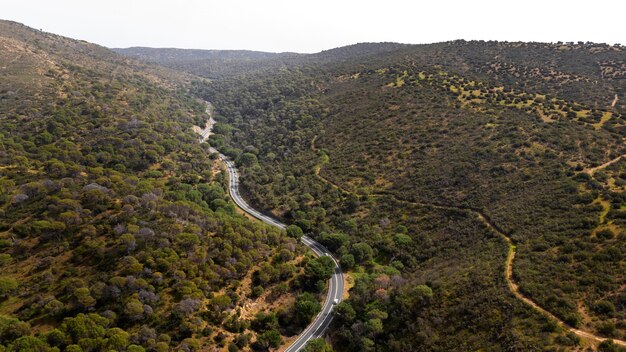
(116, 232)
(428, 168)
(208, 63)
(219, 64)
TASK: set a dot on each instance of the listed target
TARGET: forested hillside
(209, 63)
(219, 64)
(426, 168)
(115, 229)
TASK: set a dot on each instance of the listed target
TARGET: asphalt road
(335, 287)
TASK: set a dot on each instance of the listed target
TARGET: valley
(318, 326)
(453, 196)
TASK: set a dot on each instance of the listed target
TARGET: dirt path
(513, 286)
(615, 101)
(318, 168)
(508, 268)
(592, 170)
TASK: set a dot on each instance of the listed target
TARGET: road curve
(335, 284)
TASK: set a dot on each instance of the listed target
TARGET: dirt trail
(318, 169)
(615, 101)
(508, 268)
(592, 170)
(508, 274)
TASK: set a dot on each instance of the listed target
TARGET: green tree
(347, 261)
(221, 302)
(402, 239)
(345, 311)
(134, 309)
(247, 160)
(83, 297)
(28, 344)
(317, 345)
(362, 252)
(136, 348)
(269, 339)
(187, 241)
(609, 346)
(295, 231)
(319, 269)
(85, 326)
(7, 286)
(57, 338)
(4, 259)
(306, 308)
(333, 241)
(264, 321)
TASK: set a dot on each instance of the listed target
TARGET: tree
(317, 345)
(319, 269)
(402, 240)
(347, 261)
(608, 346)
(604, 307)
(263, 322)
(375, 326)
(136, 348)
(211, 192)
(423, 292)
(83, 297)
(187, 241)
(128, 243)
(12, 328)
(270, 338)
(221, 302)
(306, 308)
(362, 252)
(134, 309)
(28, 344)
(7, 286)
(118, 339)
(345, 311)
(247, 160)
(189, 306)
(295, 231)
(57, 338)
(333, 240)
(89, 326)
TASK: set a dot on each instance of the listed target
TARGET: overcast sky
(314, 25)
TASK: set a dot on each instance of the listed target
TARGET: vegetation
(115, 229)
(423, 168)
(412, 167)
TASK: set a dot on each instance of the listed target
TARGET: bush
(604, 308)
(7, 286)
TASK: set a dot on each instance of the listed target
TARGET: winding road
(318, 327)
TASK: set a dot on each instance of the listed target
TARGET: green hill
(115, 229)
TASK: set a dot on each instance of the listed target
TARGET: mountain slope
(115, 229)
(216, 64)
(208, 63)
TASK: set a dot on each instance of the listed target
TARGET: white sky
(314, 25)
